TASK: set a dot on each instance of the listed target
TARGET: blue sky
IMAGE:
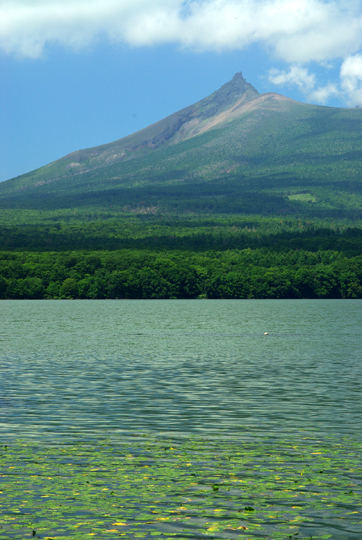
(79, 73)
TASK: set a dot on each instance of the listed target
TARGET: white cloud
(351, 79)
(323, 93)
(296, 75)
(297, 31)
(306, 82)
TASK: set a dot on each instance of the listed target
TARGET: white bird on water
(265, 333)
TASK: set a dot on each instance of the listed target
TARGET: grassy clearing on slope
(143, 487)
(306, 197)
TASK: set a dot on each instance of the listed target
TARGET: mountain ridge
(152, 136)
(181, 125)
(225, 153)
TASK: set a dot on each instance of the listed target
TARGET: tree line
(146, 274)
(220, 234)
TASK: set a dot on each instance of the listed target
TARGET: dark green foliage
(190, 232)
(258, 273)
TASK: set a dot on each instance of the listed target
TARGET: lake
(76, 369)
(187, 419)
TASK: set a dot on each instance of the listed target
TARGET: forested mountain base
(188, 256)
(189, 232)
(133, 274)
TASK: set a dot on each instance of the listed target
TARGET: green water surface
(181, 419)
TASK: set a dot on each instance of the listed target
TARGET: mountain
(236, 151)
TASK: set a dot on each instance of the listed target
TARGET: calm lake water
(79, 369)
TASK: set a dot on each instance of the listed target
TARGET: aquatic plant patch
(182, 488)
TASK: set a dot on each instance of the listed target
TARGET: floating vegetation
(146, 487)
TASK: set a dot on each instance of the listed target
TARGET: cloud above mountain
(296, 31)
(349, 85)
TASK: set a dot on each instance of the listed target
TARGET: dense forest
(146, 255)
(187, 232)
(247, 273)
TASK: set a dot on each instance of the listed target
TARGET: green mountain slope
(235, 152)
(241, 195)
